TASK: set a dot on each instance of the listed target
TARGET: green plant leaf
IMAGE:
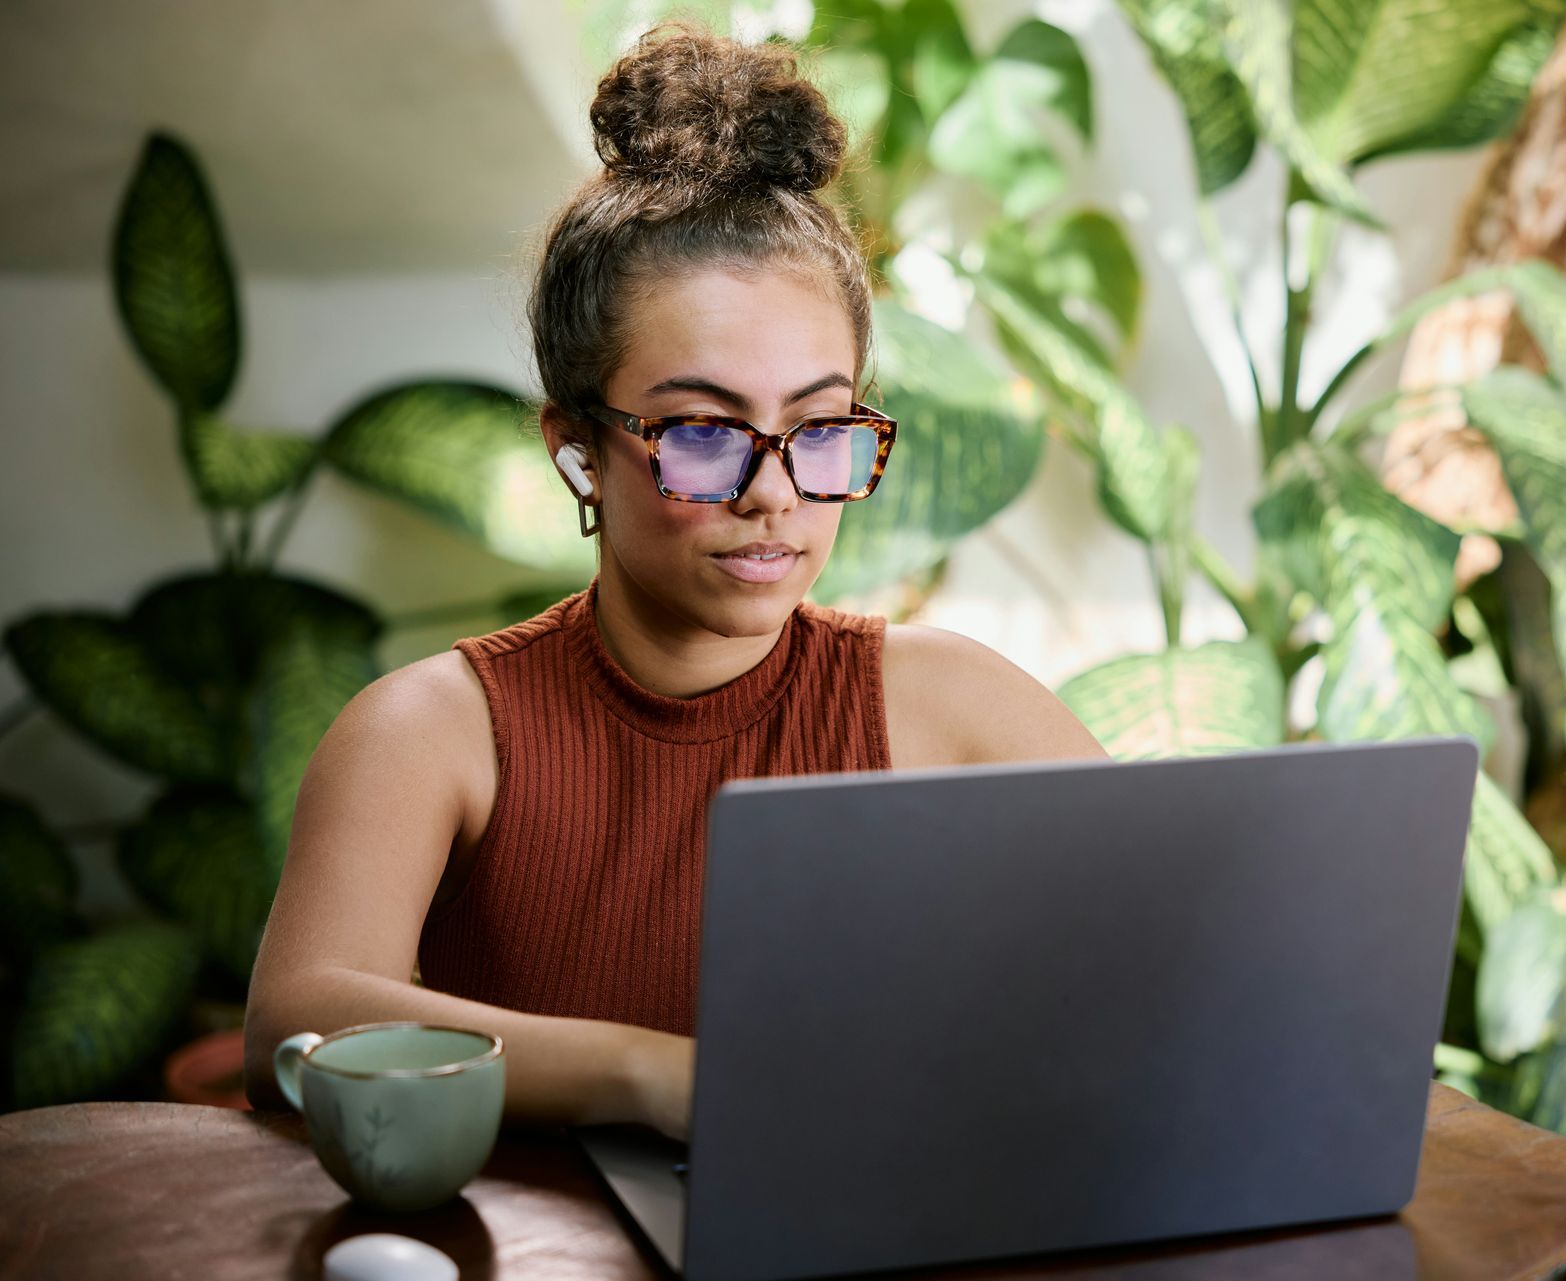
(1540, 290)
(1344, 539)
(941, 61)
(1114, 433)
(1490, 106)
(97, 1009)
(173, 284)
(1086, 255)
(968, 440)
(235, 470)
(305, 677)
(1185, 39)
(1371, 74)
(1257, 39)
(1525, 418)
(1032, 43)
(196, 854)
(215, 627)
(1522, 978)
(1225, 696)
(996, 133)
(92, 670)
(38, 883)
(468, 455)
(1383, 574)
(1506, 860)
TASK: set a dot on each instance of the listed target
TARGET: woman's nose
(770, 489)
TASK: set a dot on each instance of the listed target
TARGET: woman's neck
(665, 653)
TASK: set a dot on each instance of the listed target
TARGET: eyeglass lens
(700, 458)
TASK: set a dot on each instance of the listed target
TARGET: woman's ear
(571, 459)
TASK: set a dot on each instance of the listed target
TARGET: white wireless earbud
(571, 459)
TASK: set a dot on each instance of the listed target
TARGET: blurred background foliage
(219, 681)
(1355, 592)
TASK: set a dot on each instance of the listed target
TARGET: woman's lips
(750, 570)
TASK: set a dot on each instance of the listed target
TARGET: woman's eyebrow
(739, 401)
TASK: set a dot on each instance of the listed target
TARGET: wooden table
(170, 1191)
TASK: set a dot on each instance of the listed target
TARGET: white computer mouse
(386, 1256)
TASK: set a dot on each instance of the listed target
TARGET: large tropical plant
(1354, 591)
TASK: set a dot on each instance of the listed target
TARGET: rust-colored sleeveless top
(585, 893)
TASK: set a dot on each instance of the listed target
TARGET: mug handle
(285, 1063)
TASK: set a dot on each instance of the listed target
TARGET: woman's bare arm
(380, 805)
(952, 701)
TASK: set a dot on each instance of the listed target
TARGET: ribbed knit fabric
(585, 895)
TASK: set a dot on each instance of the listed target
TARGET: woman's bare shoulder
(440, 702)
(951, 700)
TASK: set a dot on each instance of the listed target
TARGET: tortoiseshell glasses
(707, 458)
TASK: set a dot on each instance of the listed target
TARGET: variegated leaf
(1224, 696)
(1123, 445)
(969, 436)
(1185, 39)
(1522, 978)
(1525, 417)
(97, 1008)
(305, 678)
(239, 470)
(470, 456)
(173, 283)
(98, 675)
(1257, 40)
(197, 855)
(38, 883)
(1368, 73)
(1344, 539)
(1490, 106)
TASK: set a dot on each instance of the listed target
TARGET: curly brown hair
(714, 152)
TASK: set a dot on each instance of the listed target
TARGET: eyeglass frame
(651, 431)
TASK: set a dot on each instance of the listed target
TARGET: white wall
(94, 506)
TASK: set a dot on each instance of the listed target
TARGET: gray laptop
(964, 1014)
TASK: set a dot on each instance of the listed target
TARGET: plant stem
(285, 522)
(1291, 425)
(219, 539)
(1217, 572)
(1168, 595)
(18, 712)
(1214, 243)
(247, 522)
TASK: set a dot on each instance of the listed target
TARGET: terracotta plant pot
(209, 1070)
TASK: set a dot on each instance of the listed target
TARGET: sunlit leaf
(469, 455)
(239, 470)
(1121, 442)
(1522, 978)
(1185, 39)
(1525, 418)
(1224, 696)
(1369, 74)
(969, 435)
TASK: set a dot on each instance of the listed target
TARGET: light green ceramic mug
(402, 1115)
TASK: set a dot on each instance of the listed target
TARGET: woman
(523, 814)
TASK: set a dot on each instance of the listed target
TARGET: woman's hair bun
(686, 104)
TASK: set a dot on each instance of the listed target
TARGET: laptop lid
(960, 1014)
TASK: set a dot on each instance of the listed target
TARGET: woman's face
(770, 347)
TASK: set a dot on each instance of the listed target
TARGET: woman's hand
(662, 1074)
